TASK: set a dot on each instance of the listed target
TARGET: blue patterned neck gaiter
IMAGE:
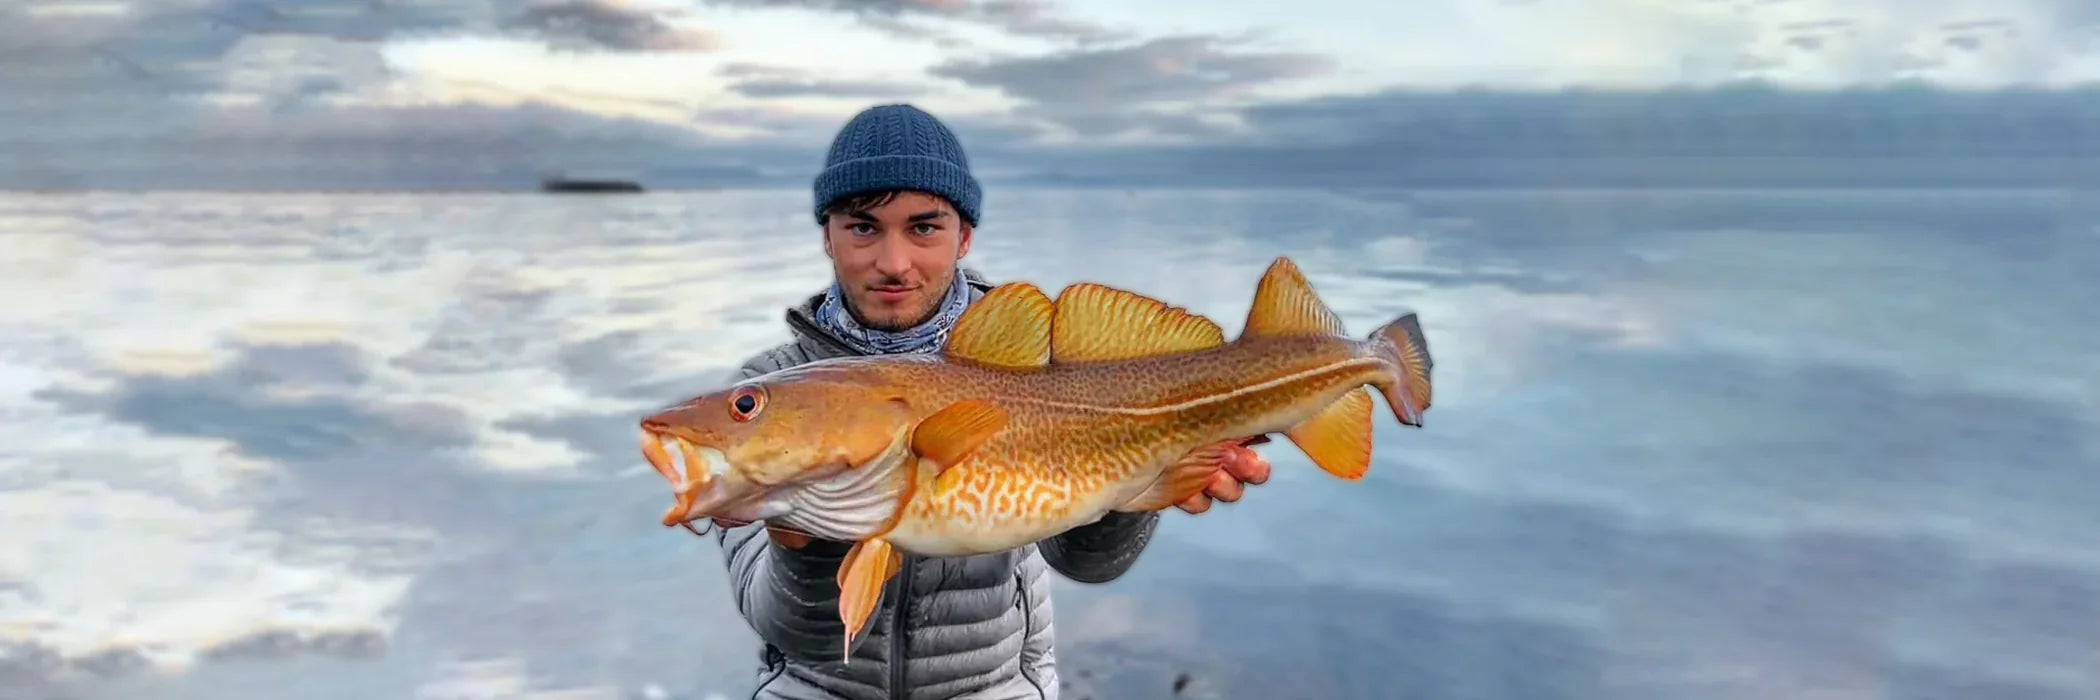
(926, 337)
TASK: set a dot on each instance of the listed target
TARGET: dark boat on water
(588, 185)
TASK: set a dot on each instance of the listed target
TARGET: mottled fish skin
(1086, 438)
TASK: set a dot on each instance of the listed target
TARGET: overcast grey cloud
(227, 93)
(1106, 91)
(305, 94)
(608, 24)
(1032, 18)
(1166, 69)
(1039, 18)
(758, 80)
(1743, 136)
(791, 87)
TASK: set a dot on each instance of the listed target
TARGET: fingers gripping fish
(1040, 416)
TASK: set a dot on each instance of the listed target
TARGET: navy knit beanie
(893, 147)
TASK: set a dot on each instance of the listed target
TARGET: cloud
(847, 89)
(1750, 135)
(608, 24)
(1027, 18)
(1168, 81)
(265, 403)
(1036, 18)
(239, 94)
(1167, 69)
(763, 81)
(350, 20)
(478, 94)
(1635, 44)
(365, 147)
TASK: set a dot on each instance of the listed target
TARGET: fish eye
(745, 403)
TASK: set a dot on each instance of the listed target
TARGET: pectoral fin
(1186, 477)
(867, 568)
(950, 434)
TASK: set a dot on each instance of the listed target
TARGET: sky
(175, 93)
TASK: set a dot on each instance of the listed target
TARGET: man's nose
(892, 257)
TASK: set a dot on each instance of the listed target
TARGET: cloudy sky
(205, 92)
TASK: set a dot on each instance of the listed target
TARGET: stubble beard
(933, 307)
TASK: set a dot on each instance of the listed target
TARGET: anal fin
(1338, 438)
(868, 567)
(1186, 477)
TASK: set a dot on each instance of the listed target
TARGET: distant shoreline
(1865, 187)
(1314, 171)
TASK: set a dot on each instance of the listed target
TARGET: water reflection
(1686, 445)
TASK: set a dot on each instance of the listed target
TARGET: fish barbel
(1039, 416)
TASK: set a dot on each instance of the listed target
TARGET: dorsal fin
(1095, 323)
(1286, 305)
(1007, 327)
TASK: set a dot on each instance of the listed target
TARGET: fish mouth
(696, 474)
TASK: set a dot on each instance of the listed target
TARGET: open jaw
(836, 501)
(698, 480)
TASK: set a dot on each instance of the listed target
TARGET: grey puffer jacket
(974, 627)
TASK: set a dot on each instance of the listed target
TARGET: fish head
(738, 452)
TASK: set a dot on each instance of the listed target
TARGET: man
(898, 207)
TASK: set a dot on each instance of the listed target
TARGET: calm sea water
(1686, 445)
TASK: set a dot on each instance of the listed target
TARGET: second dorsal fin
(1095, 323)
(1285, 305)
(1007, 327)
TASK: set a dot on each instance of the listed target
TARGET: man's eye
(925, 229)
(862, 229)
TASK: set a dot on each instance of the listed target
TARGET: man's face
(895, 259)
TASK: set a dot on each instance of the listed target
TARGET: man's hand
(1246, 467)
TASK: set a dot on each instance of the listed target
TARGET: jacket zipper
(898, 641)
(1021, 598)
(898, 691)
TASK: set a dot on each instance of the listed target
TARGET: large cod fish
(1040, 416)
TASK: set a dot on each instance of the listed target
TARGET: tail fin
(1403, 344)
(1286, 305)
(1338, 438)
